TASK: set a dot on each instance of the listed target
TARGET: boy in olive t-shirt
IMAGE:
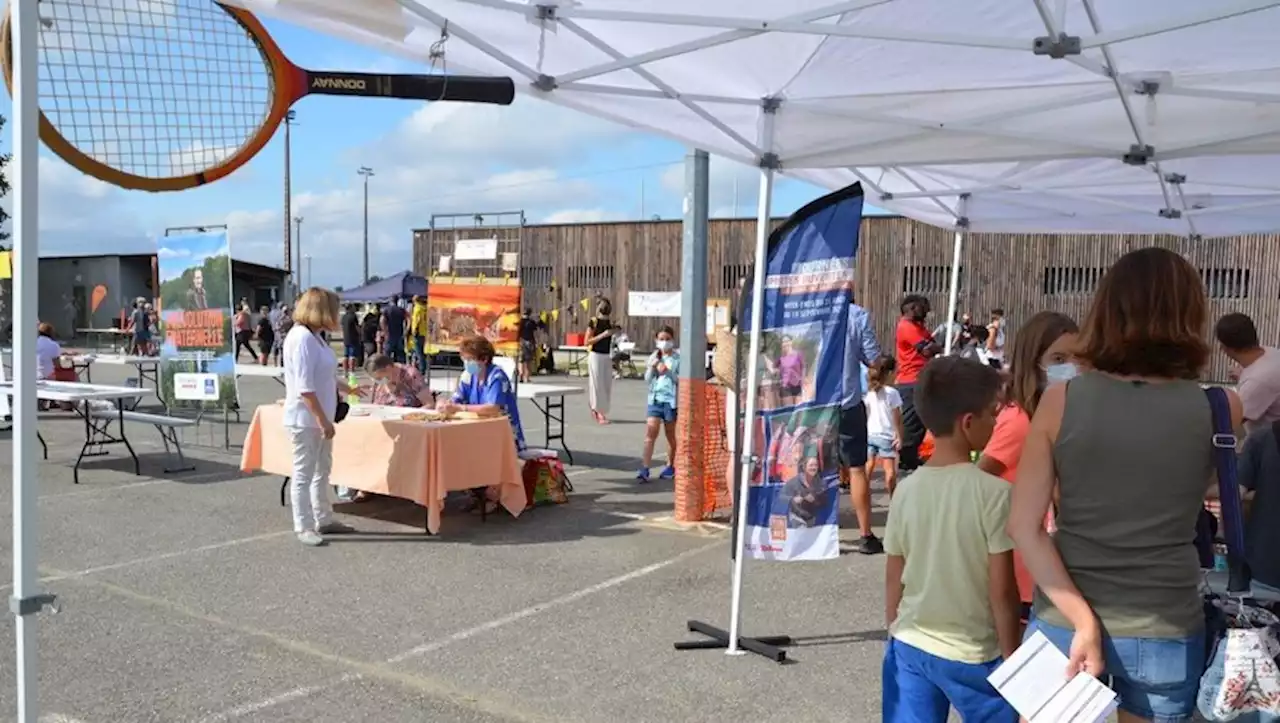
(951, 601)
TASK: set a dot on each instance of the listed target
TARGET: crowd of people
(1094, 445)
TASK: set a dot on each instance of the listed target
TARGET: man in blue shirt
(484, 387)
(860, 350)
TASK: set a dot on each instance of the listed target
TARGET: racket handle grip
(466, 88)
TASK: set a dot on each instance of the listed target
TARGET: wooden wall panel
(1022, 273)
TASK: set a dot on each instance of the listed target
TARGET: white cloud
(582, 215)
(733, 187)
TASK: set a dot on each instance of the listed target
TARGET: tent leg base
(768, 646)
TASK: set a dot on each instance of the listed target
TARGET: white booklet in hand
(1033, 680)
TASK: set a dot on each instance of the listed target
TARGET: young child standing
(951, 601)
(661, 371)
(884, 420)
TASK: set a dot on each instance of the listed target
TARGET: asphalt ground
(186, 598)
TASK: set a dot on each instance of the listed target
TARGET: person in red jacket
(915, 346)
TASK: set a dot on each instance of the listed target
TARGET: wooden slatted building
(1021, 273)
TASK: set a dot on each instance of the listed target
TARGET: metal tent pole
(27, 601)
(953, 291)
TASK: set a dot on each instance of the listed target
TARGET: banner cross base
(768, 646)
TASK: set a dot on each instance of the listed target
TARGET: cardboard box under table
(376, 451)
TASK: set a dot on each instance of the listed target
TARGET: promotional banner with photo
(197, 365)
(794, 495)
(460, 308)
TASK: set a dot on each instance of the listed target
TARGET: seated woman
(396, 384)
(47, 350)
(484, 388)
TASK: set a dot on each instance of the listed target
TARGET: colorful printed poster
(467, 307)
(794, 498)
(197, 366)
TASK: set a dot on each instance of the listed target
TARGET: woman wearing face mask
(1041, 355)
(484, 388)
(661, 372)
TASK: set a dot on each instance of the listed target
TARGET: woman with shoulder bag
(310, 411)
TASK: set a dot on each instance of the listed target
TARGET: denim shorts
(353, 351)
(1154, 678)
(878, 445)
(661, 410)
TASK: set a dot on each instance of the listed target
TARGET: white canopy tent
(1152, 116)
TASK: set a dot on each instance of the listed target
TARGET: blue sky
(555, 164)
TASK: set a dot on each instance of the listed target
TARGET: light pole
(310, 281)
(297, 221)
(288, 198)
(366, 172)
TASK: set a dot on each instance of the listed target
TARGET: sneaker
(336, 528)
(869, 545)
(643, 474)
(668, 472)
(311, 538)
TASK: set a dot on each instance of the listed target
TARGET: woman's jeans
(312, 461)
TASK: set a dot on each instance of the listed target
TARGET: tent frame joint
(770, 104)
(545, 12)
(33, 604)
(1138, 155)
(1171, 213)
(1147, 87)
(770, 161)
(545, 83)
(1057, 47)
(1175, 179)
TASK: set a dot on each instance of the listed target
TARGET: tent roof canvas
(380, 290)
(1156, 116)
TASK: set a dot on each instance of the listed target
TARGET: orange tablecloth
(419, 461)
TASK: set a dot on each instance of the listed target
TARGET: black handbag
(341, 412)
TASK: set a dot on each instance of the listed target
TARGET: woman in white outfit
(600, 362)
(310, 402)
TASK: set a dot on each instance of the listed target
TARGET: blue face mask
(472, 368)
(1063, 372)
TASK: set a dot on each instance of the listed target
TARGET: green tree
(338, 289)
(374, 278)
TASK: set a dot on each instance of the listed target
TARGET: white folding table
(148, 367)
(548, 398)
(112, 333)
(97, 431)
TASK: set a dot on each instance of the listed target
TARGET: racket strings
(153, 88)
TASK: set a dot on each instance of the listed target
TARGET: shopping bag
(1241, 678)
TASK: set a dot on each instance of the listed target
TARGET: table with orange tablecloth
(419, 461)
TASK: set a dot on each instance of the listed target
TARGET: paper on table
(1032, 681)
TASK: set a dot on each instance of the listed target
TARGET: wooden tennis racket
(165, 95)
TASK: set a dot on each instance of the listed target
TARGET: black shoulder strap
(1275, 431)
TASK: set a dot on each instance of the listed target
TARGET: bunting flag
(586, 303)
(553, 284)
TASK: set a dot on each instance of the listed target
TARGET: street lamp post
(289, 120)
(310, 280)
(297, 222)
(366, 172)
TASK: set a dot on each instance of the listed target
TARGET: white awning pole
(953, 291)
(27, 601)
(768, 166)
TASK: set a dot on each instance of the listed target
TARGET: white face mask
(1063, 372)
(664, 345)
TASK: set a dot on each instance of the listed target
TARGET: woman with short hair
(396, 384)
(1129, 444)
(310, 403)
(484, 388)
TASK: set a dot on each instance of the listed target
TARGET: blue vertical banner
(794, 497)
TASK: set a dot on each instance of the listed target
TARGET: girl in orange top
(1041, 355)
